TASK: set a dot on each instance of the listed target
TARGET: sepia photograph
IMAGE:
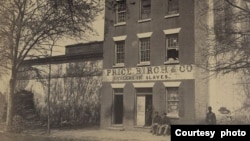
(124, 70)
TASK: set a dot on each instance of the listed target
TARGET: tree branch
(236, 6)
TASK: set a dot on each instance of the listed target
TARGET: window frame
(168, 41)
(170, 10)
(118, 91)
(118, 12)
(146, 50)
(118, 39)
(141, 17)
(171, 32)
(175, 100)
(116, 53)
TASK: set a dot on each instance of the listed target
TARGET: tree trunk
(10, 105)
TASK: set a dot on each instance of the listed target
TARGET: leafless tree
(26, 25)
(228, 47)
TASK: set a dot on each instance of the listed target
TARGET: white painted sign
(149, 73)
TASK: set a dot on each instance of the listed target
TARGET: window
(172, 47)
(118, 91)
(121, 11)
(119, 52)
(172, 6)
(144, 50)
(145, 9)
(172, 102)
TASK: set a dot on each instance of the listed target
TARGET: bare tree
(228, 47)
(27, 25)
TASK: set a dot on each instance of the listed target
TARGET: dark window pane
(121, 11)
(144, 90)
(145, 49)
(119, 52)
(172, 47)
(118, 90)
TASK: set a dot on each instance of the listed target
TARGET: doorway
(144, 107)
(118, 106)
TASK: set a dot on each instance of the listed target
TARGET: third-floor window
(145, 9)
(121, 11)
(172, 6)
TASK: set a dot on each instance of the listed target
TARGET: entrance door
(140, 118)
(144, 110)
(118, 109)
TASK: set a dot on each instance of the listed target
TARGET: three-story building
(149, 63)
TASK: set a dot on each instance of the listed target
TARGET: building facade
(150, 56)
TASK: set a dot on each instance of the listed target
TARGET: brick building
(150, 56)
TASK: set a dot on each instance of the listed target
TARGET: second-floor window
(121, 11)
(144, 50)
(172, 47)
(172, 6)
(145, 9)
(119, 52)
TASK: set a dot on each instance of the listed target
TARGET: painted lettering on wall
(149, 73)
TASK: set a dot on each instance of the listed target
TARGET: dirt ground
(93, 134)
(110, 135)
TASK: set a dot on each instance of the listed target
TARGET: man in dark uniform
(165, 124)
(156, 123)
(210, 117)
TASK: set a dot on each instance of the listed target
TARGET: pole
(49, 91)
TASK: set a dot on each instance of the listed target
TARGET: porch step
(116, 128)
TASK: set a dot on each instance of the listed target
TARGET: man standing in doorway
(149, 110)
